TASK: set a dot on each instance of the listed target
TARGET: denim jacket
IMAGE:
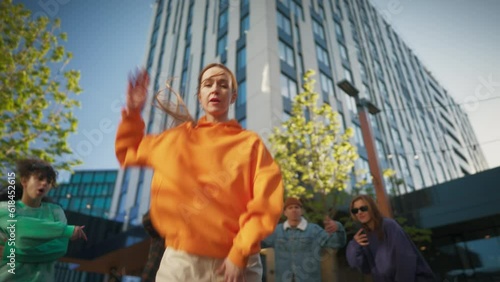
(298, 250)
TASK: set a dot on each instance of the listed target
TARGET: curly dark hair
(41, 169)
(25, 169)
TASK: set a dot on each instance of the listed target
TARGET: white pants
(179, 266)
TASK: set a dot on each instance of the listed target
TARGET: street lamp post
(365, 106)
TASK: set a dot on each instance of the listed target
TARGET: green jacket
(33, 239)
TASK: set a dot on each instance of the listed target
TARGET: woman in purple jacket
(381, 247)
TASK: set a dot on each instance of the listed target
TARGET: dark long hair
(374, 212)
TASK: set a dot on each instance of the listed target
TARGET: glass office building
(87, 192)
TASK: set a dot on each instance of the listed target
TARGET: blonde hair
(178, 110)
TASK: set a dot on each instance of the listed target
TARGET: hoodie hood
(233, 124)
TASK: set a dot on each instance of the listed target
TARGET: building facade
(465, 226)
(421, 132)
(88, 192)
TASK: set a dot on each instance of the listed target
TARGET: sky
(108, 39)
(455, 39)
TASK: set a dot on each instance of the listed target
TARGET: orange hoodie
(216, 190)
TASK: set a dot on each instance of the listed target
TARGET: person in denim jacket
(297, 244)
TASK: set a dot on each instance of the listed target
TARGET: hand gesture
(78, 233)
(137, 90)
(361, 238)
(330, 225)
(232, 273)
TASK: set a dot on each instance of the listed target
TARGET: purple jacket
(395, 259)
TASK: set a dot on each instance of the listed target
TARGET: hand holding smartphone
(361, 238)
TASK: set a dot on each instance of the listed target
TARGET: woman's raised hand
(137, 91)
(361, 238)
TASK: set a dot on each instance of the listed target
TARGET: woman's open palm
(137, 91)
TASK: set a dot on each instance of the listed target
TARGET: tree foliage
(315, 156)
(36, 101)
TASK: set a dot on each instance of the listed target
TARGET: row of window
(83, 190)
(94, 177)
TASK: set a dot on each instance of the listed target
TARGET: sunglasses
(356, 210)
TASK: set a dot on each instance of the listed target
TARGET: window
(286, 53)
(300, 64)
(318, 29)
(382, 88)
(365, 91)
(362, 71)
(339, 31)
(363, 170)
(286, 3)
(321, 11)
(326, 84)
(288, 87)
(244, 24)
(341, 122)
(99, 177)
(358, 49)
(75, 204)
(286, 116)
(373, 121)
(322, 55)
(348, 75)
(188, 31)
(87, 177)
(110, 177)
(297, 10)
(343, 53)
(284, 23)
(242, 94)
(373, 49)
(76, 178)
(223, 19)
(358, 135)
(404, 166)
(380, 149)
(351, 104)
(243, 123)
(241, 60)
(64, 203)
(378, 69)
(396, 137)
(221, 45)
(187, 54)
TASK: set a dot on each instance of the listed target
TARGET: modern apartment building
(421, 132)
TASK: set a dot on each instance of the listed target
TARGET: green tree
(36, 103)
(315, 156)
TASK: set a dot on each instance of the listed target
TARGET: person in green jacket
(33, 233)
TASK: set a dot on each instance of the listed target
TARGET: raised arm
(132, 147)
(333, 236)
